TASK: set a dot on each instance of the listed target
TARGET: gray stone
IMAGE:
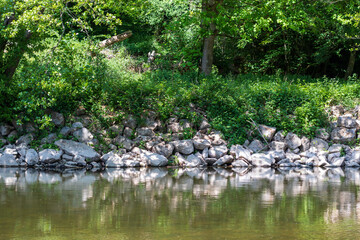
(322, 134)
(117, 129)
(164, 149)
(292, 156)
(78, 158)
(11, 150)
(123, 142)
(67, 157)
(256, 146)
(319, 144)
(49, 139)
(25, 140)
(154, 159)
(343, 135)
(277, 155)
(65, 131)
(31, 157)
(337, 162)
(262, 160)
(174, 127)
(279, 136)
(201, 144)
(57, 119)
(333, 156)
(292, 140)
(130, 122)
(239, 163)
(12, 134)
(83, 135)
(128, 132)
(218, 151)
(267, 132)
(5, 129)
(205, 153)
(77, 149)
(227, 159)
(193, 161)
(305, 144)
(278, 146)
(210, 161)
(346, 122)
(335, 148)
(204, 124)
(337, 110)
(184, 146)
(75, 126)
(145, 131)
(8, 160)
(50, 155)
(238, 151)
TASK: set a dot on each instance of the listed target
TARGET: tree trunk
(209, 9)
(115, 39)
(351, 64)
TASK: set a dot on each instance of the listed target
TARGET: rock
(205, 153)
(75, 126)
(256, 146)
(144, 131)
(174, 127)
(210, 161)
(337, 162)
(278, 146)
(204, 124)
(262, 160)
(67, 157)
(292, 156)
(351, 164)
(8, 160)
(335, 148)
(346, 122)
(49, 139)
(153, 124)
(292, 140)
(279, 136)
(337, 110)
(128, 132)
(201, 144)
(227, 159)
(83, 135)
(267, 132)
(218, 151)
(65, 131)
(333, 156)
(116, 161)
(77, 149)
(116, 129)
(123, 142)
(154, 159)
(130, 122)
(164, 149)
(319, 144)
(184, 146)
(305, 144)
(239, 163)
(5, 129)
(25, 140)
(79, 159)
(322, 134)
(12, 134)
(50, 156)
(238, 151)
(343, 135)
(32, 157)
(193, 161)
(57, 119)
(11, 150)
(277, 155)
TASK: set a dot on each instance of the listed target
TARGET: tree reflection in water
(213, 203)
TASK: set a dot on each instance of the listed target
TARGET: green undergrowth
(114, 87)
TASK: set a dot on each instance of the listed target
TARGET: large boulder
(25, 139)
(83, 135)
(124, 142)
(154, 159)
(201, 144)
(319, 144)
(57, 118)
(218, 151)
(127, 160)
(262, 160)
(238, 151)
(346, 122)
(184, 146)
(145, 131)
(31, 157)
(77, 149)
(50, 155)
(227, 159)
(256, 146)
(343, 135)
(193, 161)
(8, 160)
(239, 163)
(164, 149)
(267, 132)
(292, 141)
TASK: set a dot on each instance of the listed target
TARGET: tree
(26, 23)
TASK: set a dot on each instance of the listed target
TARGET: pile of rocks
(156, 144)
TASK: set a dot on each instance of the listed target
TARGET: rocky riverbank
(177, 143)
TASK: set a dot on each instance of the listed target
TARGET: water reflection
(152, 203)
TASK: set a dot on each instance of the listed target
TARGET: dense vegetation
(281, 63)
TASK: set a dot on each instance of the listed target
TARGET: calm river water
(180, 204)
